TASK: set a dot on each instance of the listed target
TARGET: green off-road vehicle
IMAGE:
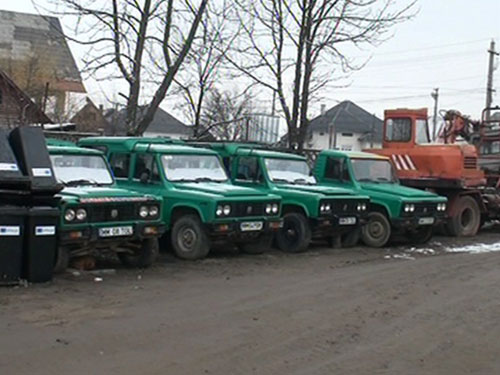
(309, 210)
(97, 217)
(200, 205)
(395, 209)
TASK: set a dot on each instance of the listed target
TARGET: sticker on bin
(347, 221)
(45, 230)
(41, 172)
(249, 226)
(12, 167)
(10, 231)
(116, 231)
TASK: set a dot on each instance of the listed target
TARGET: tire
(144, 257)
(295, 236)
(189, 239)
(263, 243)
(351, 238)
(377, 231)
(62, 260)
(421, 235)
(467, 220)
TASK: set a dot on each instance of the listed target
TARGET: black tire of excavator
(467, 221)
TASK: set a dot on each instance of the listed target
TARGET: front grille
(348, 206)
(470, 162)
(112, 212)
(425, 208)
(248, 209)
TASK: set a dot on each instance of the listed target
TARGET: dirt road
(328, 311)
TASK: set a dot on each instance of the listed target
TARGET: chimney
(323, 109)
(101, 109)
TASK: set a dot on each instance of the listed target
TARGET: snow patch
(475, 248)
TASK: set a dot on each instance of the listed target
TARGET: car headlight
(153, 211)
(363, 207)
(269, 209)
(69, 215)
(219, 211)
(325, 207)
(143, 212)
(275, 208)
(409, 207)
(441, 207)
(81, 214)
(227, 209)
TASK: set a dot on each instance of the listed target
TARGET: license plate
(116, 231)
(347, 221)
(426, 221)
(250, 226)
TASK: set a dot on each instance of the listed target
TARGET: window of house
(336, 169)
(249, 170)
(346, 147)
(398, 130)
(347, 134)
(120, 164)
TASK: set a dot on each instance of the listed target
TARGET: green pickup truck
(97, 217)
(394, 209)
(309, 210)
(200, 205)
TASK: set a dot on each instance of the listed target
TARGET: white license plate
(347, 221)
(250, 226)
(116, 231)
(426, 221)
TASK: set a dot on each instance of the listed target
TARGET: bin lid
(10, 174)
(9, 210)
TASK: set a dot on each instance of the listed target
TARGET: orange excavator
(463, 165)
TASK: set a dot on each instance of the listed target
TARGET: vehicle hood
(87, 192)
(220, 189)
(396, 189)
(316, 189)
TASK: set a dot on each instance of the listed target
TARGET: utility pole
(489, 85)
(435, 96)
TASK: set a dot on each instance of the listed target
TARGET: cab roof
(353, 154)
(157, 145)
(245, 149)
(73, 150)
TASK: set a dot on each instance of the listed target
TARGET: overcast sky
(445, 46)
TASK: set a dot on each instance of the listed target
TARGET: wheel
(467, 218)
(62, 260)
(351, 238)
(377, 231)
(144, 256)
(189, 239)
(263, 243)
(421, 235)
(295, 235)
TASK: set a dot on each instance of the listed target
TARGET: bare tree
(204, 62)
(295, 47)
(122, 34)
(227, 114)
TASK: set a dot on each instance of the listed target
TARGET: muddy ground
(401, 310)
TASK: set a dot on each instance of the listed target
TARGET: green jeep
(97, 217)
(309, 210)
(394, 209)
(200, 205)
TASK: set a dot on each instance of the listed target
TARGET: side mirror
(144, 178)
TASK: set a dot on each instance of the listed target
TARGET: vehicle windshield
(193, 168)
(289, 171)
(75, 170)
(373, 170)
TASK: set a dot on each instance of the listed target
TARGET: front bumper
(89, 234)
(232, 229)
(417, 221)
(334, 225)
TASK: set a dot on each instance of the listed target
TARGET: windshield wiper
(82, 181)
(284, 180)
(303, 181)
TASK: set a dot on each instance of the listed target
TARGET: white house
(346, 127)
